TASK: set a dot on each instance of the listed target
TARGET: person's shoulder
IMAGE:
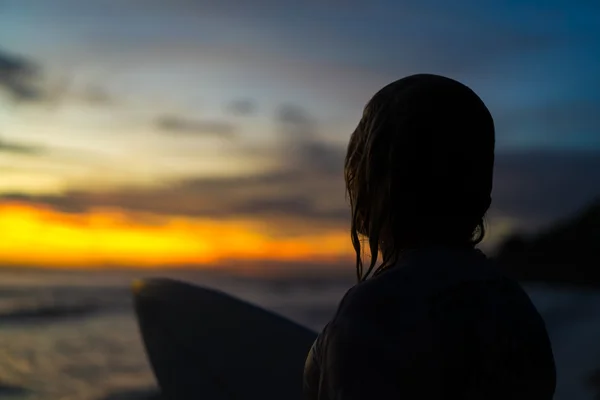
(501, 284)
(378, 298)
(493, 295)
(510, 295)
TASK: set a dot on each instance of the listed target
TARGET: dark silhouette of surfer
(435, 319)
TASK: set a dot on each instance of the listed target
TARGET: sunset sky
(148, 133)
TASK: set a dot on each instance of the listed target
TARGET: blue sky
(112, 72)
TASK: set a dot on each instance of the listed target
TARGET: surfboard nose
(161, 302)
(137, 286)
(150, 300)
(150, 293)
(152, 287)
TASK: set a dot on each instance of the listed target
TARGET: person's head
(419, 168)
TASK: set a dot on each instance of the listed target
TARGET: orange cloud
(40, 236)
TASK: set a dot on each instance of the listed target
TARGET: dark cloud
(532, 188)
(299, 132)
(24, 81)
(61, 91)
(307, 182)
(272, 197)
(96, 95)
(184, 126)
(540, 186)
(9, 146)
(243, 107)
(11, 66)
(17, 77)
(303, 147)
(66, 202)
(297, 206)
(306, 187)
(325, 158)
(295, 115)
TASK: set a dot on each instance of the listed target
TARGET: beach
(72, 335)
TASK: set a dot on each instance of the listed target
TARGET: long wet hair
(419, 169)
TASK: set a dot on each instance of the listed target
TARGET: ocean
(72, 335)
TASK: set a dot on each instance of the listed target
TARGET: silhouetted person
(436, 319)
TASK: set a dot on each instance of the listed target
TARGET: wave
(49, 313)
(147, 394)
(12, 390)
(38, 304)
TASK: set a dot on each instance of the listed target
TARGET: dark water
(73, 336)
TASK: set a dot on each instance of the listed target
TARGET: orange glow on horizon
(41, 236)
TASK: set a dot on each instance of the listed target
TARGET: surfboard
(205, 344)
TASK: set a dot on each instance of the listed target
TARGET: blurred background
(204, 140)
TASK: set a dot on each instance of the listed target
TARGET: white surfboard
(205, 344)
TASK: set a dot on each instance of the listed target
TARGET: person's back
(437, 320)
(444, 324)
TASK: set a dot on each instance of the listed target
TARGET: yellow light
(38, 235)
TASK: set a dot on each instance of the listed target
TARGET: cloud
(272, 197)
(297, 205)
(537, 187)
(305, 187)
(17, 77)
(24, 81)
(298, 129)
(325, 158)
(243, 107)
(96, 95)
(183, 126)
(293, 115)
(62, 91)
(304, 190)
(531, 189)
(8, 146)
